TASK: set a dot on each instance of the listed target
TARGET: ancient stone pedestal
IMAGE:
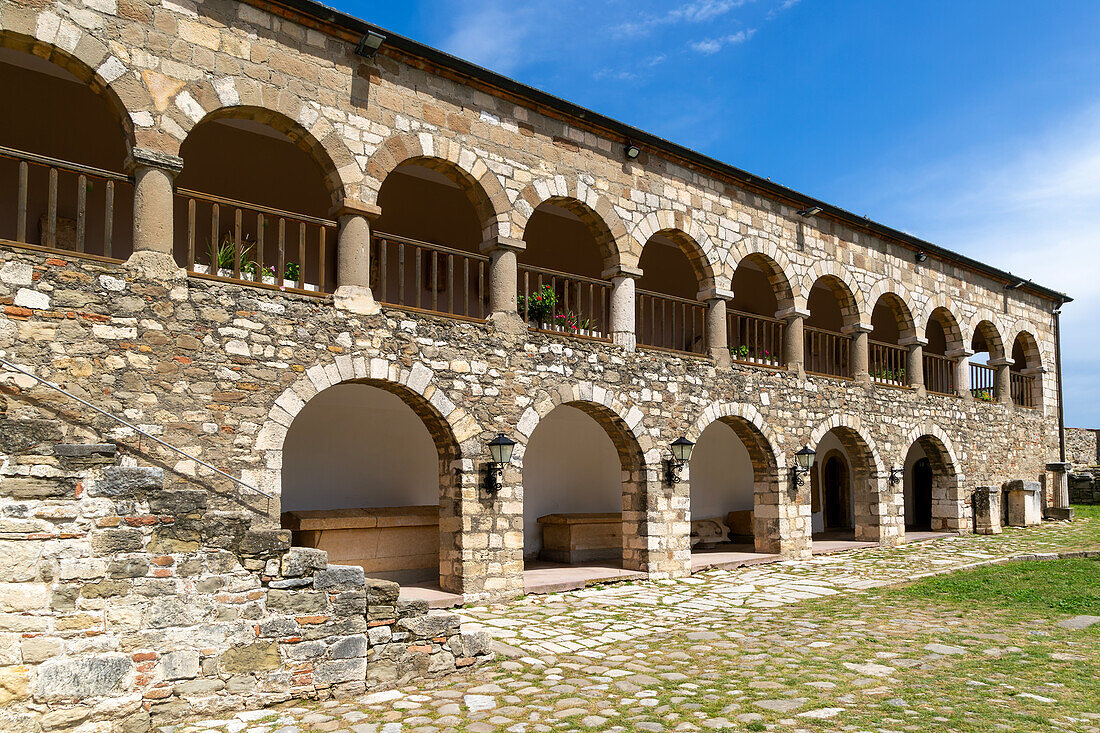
(987, 510)
(577, 538)
(1059, 487)
(1023, 503)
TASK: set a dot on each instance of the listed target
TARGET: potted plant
(540, 306)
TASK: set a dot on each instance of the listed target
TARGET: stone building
(317, 267)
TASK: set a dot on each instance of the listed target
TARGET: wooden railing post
(1002, 383)
(860, 351)
(718, 347)
(914, 363)
(1035, 386)
(153, 173)
(962, 371)
(353, 291)
(794, 350)
(504, 282)
(622, 325)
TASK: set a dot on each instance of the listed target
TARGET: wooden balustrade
(74, 207)
(1023, 389)
(939, 374)
(557, 301)
(886, 363)
(826, 352)
(233, 240)
(668, 322)
(430, 277)
(755, 339)
(983, 380)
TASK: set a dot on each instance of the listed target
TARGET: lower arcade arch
(932, 488)
(846, 488)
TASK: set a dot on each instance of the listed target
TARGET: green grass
(1088, 511)
(1058, 586)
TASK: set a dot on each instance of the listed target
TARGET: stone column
(987, 510)
(623, 311)
(717, 341)
(860, 354)
(794, 349)
(353, 291)
(914, 363)
(1059, 484)
(504, 282)
(962, 371)
(1002, 380)
(154, 173)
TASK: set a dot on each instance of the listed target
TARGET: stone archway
(948, 510)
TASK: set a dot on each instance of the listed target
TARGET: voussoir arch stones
(890, 286)
(1032, 348)
(449, 157)
(706, 259)
(927, 427)
(855, 312)
(748, 415)
(454, 430)
(779, 270)
(854, 426)
(953, 331)
(999, 347)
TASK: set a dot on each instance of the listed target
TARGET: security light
(369, 44)
(920, 256)
(811, 211)
(631, 151)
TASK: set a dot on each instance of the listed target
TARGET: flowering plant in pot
(540, 306)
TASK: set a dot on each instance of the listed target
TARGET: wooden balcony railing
(886, 363)
(249, 243)
(827, 353)
(669, 322)
(982, 382)
(430, 277)
(939, 374)
(755, 339)
(65, 206)
(557, 301)
(1023, 386)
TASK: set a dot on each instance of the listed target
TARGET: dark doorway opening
(837, 490)
(922, 495)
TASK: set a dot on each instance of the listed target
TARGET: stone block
(264, 544)
(1024, 503)
(116, 541)
(17, 436)
(19, 560)
(128, 567)
(85, 454)
(36, 649)
(350, 603)
(65, 719)
(260, 656)
(20, 597)
(339, 578)
(987, 510)
(382, 592)
(430, 626)
(105, 589)
(180, 665)
(14, 684)
(128, 482)
(348, 647)
(299, 561)
(178, 502)
(299, 603)
(340, 670)
(21, 488)
(75, 679)
(470, 644)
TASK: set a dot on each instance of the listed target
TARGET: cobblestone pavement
(735, 650)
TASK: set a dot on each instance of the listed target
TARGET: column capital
(855, 328)
(1060, 466)
(714, 294)
(347, 207)
(147, 158)
(492, 244)
(963, 353)
(913, 341)
(787, 314)
(1034, 371)
(1003, 361)
(617, 271)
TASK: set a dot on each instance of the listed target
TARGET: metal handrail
(133, 427)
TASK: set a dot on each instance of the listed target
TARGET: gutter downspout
(1058, 380)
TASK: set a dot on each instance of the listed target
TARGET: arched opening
(932, 491)
(1026, 376)
(987, 347)
(63, 145)
(943, 335)
(669, 314)
(580, 472)
(425, 245)
(253, 203)
(560, 272)
(734, 483)
(843, 492)
(760, 289)
(832, 307)
(364, 468)
(891, 322)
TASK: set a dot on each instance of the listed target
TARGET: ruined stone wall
(1083, 446)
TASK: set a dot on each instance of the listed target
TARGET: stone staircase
(128, 600)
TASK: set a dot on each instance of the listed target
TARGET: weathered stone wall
(1083, 446)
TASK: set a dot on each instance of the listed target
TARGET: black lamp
(895, 475)
(369, 44)
(500, 451)
(681, 454)
(631, 151)
(803, 462)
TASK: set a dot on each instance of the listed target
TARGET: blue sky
(972, 124)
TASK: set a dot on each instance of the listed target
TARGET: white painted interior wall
(570, 465)
(824, 447)
(355, 446)
(720, 473)
(915, 454)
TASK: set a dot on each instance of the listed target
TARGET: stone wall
(1083, 446)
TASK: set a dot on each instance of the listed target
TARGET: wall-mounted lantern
(803, 462)
(895, 475)
(681, 454)
(500, 451)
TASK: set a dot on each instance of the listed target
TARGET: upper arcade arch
(595, 211)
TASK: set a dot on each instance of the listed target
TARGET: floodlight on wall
(369, 44)
(803, 462)
(921, 256)
(631, 151)
(681, 454)
(811, 211)
(1016, 285)
(895, 475)
(500, 453)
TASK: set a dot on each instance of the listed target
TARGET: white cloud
(693, 12)
(714, 45)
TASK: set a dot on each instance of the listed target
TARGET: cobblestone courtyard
(790, 646)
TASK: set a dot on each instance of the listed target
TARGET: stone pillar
(914, 363)
(623, 311)
(504, 282)
(154, 173)
(794, 349)
(1024, 508)
(781, 514)
(1002, 380)
(987, 510)
(962, 371)
(1059, 486)
(717, 340)
(861, 354)
(353, 291)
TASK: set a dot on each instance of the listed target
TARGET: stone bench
(580, 538)
(392, 543)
